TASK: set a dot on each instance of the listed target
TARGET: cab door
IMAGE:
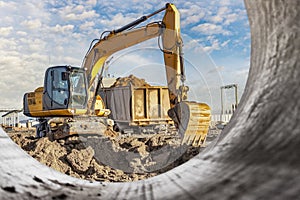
(56, 88)
(78, 89)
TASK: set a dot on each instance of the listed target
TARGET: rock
(80, 160)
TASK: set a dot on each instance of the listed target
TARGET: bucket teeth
(195, 140)
(193, 121)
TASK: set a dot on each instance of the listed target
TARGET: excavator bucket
(192, 120)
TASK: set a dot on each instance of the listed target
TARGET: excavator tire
(192, 120)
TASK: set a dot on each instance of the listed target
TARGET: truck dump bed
(140, 106)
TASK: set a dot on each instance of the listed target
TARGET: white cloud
(225, 16)
(216, 19)
(32, 24)
(77, 12)
(91, 2)
(210, 29)
(230, 18)
(193, 19)
(5, 31)
(147, 6)
(36, 45)
(223, 10)
(7, 59)
(117, 21)
(8, 5)
(87, 25)
(214, 46)
(225, 2)
(31, 10)
(19, 73)
(21, 33)
(191, 14)
(62, 29)
(79, 8)
(81, 16)
(6, 20)
(7, 45)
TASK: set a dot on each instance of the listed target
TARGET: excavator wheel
(192, 121)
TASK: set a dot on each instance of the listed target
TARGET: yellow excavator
(69, 103)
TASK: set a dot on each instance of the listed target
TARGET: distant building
(16, 118)
(11, 118)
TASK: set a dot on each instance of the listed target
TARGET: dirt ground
(107, 159)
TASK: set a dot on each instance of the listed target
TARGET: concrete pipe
(256, 156)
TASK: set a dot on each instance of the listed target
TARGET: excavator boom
(96, 57)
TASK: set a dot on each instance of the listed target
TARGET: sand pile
(131, 80)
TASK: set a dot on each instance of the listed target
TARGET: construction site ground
(99, 158)
(111, 156)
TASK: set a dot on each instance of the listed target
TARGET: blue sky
(37, 34)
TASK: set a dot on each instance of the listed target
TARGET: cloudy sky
(36, 34)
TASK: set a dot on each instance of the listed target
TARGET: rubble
(107, 159)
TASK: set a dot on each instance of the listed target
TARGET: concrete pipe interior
(255, 158)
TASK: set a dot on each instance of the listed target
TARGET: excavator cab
(64, 87)
(64, 94)
(61, 105)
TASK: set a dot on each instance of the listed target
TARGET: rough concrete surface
(256, 157)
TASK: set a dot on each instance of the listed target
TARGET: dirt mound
(131, 80)
(72, 157)
(107, 159)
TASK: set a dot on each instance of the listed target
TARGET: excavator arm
(173, 55)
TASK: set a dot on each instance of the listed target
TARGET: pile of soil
(131, 80)
(107, 159)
